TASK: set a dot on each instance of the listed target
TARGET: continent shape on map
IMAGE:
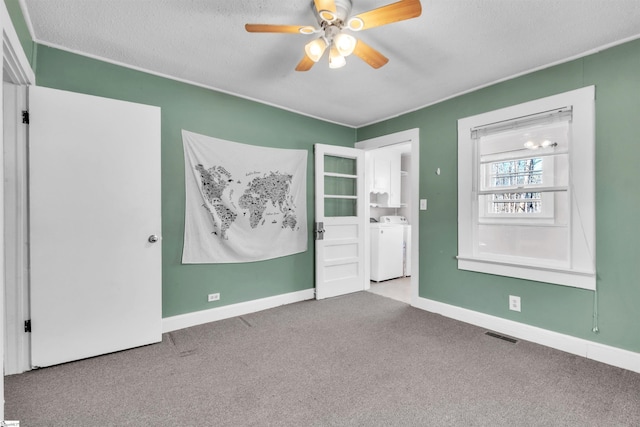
(274, 187)
(214, 181)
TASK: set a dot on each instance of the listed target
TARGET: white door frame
(16, 290)
(411, 136)
(16, 70)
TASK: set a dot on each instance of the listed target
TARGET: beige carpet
(358, 360)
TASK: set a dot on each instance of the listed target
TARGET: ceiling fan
(335, 22)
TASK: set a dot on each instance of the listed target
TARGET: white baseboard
(602, 353)
(205, 316)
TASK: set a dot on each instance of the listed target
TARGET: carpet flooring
(357, 360)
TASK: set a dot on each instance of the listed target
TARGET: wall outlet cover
(514, 303)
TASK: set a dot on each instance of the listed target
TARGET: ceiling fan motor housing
(343, 9)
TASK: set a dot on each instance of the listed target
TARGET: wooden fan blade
(394, 12)
(305, 64)
(369, 55)
(268, 28)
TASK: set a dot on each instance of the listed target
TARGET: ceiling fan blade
(268, 28)
(394, 12)
(305, 64)
(369, 55)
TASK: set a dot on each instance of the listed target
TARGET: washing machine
(387, 249)
(406, 254)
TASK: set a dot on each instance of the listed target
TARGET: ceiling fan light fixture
(355, 24)
(307, 30)
(315, 48)
(345, 43)
(335, 59)
(327, 15)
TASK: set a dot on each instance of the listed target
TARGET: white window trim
(580, 273)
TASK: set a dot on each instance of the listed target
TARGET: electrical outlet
(514, 303)
(213, 297)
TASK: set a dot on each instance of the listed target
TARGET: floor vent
(245, 321)
(502, 337)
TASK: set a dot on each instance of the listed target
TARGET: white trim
(352, 126)
(189, 82)
(18, 70)
(591, 350)
(510, 77)
(411, 136)
(576, 279)
(27, 19)
(187, 320)
(16, 289)
(14, 60)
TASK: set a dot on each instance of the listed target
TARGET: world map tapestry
(244, 203)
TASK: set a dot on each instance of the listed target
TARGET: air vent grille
(502, 337)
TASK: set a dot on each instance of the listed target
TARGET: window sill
(565, 277)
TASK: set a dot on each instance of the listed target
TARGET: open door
(340, 220)
(94, 177)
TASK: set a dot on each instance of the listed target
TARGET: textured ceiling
(453, 47)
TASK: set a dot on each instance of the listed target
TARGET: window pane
(514, 203)
(333, 164)
(340, 207)
(339, 186)
(538, 243)
(516, 173)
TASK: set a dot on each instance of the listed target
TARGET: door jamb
(408, 136)
(18, 71)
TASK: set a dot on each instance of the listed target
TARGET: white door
(340, 220)
(94, 172)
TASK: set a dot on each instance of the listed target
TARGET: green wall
(185, 287)
(615, 73)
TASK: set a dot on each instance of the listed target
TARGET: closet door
(94, 176)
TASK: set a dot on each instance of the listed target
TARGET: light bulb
(335, 59)
(355, 24)
(345, 43)
(327, 15)
(315, 48)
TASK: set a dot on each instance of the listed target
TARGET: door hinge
(319, 231)
(27, 325)
(25, 117)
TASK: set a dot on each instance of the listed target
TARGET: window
(526, 192)
(523, 173)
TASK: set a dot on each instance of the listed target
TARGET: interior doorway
(396, 203)
(16, 71)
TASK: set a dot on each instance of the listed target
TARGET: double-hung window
(526, 191)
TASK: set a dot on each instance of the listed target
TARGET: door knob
(153, 238)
